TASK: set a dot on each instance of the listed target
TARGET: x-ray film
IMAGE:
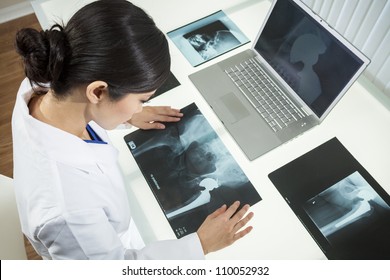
(342, 206)
(207, 38)
(189, 170)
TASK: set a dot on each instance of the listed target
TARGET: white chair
(11, 236)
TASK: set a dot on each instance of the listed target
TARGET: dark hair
(108, 40)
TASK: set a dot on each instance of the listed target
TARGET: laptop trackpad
(231, 107)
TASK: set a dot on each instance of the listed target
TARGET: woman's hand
(151, 117)
(222, 228)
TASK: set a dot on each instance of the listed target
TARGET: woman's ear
(96, 91)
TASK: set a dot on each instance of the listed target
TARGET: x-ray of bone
(207, 38)
(349, 201)
(189, 170)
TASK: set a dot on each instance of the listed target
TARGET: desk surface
(359, 121)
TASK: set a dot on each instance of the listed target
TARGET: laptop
(294, 74)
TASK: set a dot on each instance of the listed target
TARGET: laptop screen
(315, 64)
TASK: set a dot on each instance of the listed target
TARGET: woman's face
(110, 114)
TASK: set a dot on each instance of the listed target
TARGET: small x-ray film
(207, 38)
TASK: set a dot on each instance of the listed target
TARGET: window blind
(366, 24)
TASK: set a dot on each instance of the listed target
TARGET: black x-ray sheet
(189, 170)
(170, 83)
(342, 206)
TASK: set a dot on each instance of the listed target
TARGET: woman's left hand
(151, 117)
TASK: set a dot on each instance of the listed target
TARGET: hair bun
(43, 53)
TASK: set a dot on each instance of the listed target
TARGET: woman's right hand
(223, 227)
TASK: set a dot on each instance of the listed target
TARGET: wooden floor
(11, 75)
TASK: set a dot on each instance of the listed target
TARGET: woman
(94, 74)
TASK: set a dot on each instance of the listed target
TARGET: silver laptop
(296, 71)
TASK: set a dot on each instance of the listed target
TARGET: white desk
(359, 121)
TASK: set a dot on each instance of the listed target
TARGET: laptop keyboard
(272, 104)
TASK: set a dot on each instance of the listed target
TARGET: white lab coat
(71, 196)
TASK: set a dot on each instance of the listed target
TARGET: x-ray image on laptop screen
(310, 60)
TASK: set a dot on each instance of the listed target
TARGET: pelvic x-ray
(189, 170)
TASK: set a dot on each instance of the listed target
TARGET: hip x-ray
(189, 170)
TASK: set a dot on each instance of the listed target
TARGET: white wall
(8, 3)
(12, 9)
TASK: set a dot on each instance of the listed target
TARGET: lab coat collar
(64, 147)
